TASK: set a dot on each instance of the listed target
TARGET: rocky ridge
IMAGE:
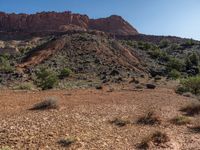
(63, 21)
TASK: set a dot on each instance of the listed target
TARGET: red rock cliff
(53, 21)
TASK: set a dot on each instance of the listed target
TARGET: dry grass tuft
(119, 122)
(151, 118)
(192, 109)
(181, 120)
(157, 138)
(66, 142)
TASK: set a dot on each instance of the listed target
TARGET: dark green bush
(176, 64)
(64, 73)
(182, 89)
(159, 54)
(189, 43)
(164, 43)
(5, 65)
(174, 74)
(192, 83)
(46, 79)
(192, 60)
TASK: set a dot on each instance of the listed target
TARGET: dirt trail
(85, 115)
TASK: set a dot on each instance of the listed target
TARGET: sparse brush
(196, 127)
(49, 103)
(150, 118)
(119, 122)
(192, 109)
(180, 120)
(66, 142)
(24, 86)
(157, 138)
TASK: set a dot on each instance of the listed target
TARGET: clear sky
(156, 17)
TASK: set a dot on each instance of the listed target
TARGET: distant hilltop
(63, 21)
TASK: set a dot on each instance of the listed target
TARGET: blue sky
(156, 17)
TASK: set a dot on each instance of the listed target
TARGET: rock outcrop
(59, 22)
(113, 24)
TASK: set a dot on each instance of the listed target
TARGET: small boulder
(99, 87)
(150, 86)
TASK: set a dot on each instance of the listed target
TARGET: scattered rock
(150, 86)
(99, 87)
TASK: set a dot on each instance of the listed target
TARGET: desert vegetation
(49, 103)
(181, 120)
(157, 138)
(66, 142)
(192, 109)
(150, 118)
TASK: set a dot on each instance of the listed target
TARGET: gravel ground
(85, 115)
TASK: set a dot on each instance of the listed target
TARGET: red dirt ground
(84, 114)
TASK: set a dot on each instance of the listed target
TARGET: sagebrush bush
(46, 79)
(24, 86)
(150, 118)
(192, 109)
(157, 138)
(66, 142)
(119, 122)
(192, 83)
(49, 103)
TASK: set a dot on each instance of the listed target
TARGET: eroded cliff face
(53, 21)
(113, 24)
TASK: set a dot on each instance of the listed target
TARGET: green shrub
(192, 83)
(192, 60)
(159, 54)
(46, 79)
(174, 74)
(146, 46)
(164, 43)
(180, 120)
(182, 89)
(5, 65)
(175, 63)
(156, 53)
(24, 86)
(64, 73)
(175, 46)
(189, 43)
